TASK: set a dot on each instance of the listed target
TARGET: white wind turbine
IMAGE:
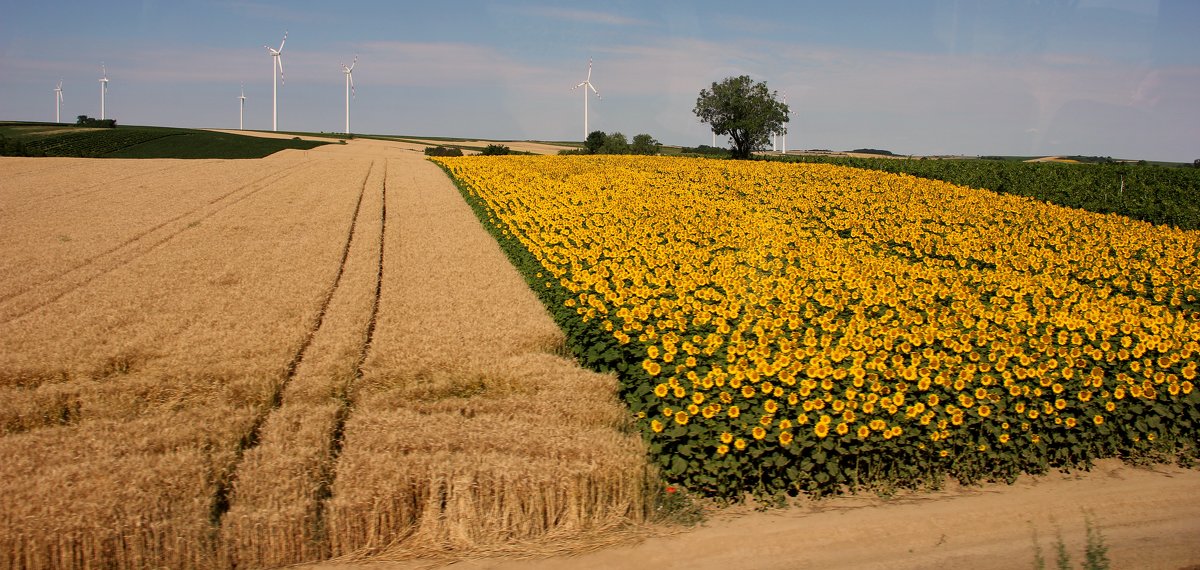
(103, 88)
(349, 71)
(783, 135)
(277, 75)
(57, 99)
(587, 83)
(242, 107)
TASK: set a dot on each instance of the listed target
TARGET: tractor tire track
(346, 394)
(128, 251)
(89, 189)
(137, 236)
(226, 482)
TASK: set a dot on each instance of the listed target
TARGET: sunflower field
(814, 328)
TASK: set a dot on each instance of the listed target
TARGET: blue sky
(1096, 77)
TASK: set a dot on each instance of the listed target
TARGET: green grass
(51, 139)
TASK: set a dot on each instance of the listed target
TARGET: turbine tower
(242, 107)
(587, 83)
(57, 99)
(349, 71)
(103, 88)
(277, 75)
(784, 134)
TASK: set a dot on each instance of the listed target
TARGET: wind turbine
(349, 71)
(57, 99)
(277, 75)
(588, 83)
(242, 108)
(784, 134)
(103, 88)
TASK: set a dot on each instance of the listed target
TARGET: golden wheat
(171, 392)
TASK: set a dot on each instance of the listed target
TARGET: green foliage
(1169, 196)
(1061, 557)
(644, 144)
(704, 150)
(615, 143)
(190, 144)
(1096, 555)
(595, 140)
(442, 151)
(599, 142)
(495, 150)
(744, 110)
(675, 504)
(140, 142)
(86, 121)
(1039, 561)
(12, 147)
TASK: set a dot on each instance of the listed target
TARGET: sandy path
(1149, 518)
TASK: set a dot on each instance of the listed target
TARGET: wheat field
(265, 362)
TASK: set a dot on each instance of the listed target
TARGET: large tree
(744, 110)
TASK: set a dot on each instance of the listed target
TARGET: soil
(1148, 517)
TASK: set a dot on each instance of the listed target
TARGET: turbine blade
(578, 86)
(589, 77)
(354, 63)
(279, 60)
(593, 87)
(351, 76)
(284, 41)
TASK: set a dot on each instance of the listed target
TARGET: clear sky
(1019, 77)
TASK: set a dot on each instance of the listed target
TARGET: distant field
(51, 139)
(1155, 194)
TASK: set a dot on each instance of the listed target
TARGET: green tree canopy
(644, 144)
(615, 143)
(595, 140)
(744, 110)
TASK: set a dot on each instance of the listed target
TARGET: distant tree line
(704, 150)
(599, 142)
(496, 149)
(442, 151)
(86, 121)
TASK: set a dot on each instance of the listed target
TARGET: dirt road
(1147, 517)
